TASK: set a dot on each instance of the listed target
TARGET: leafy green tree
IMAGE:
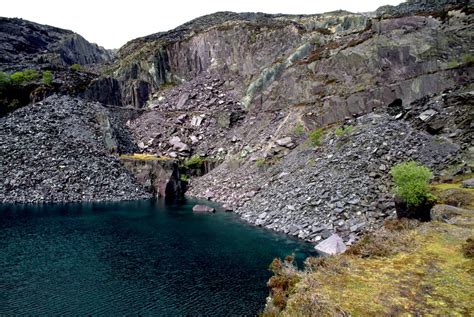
(411, 182)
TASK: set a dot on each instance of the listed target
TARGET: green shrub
(452, 64)
(315, 137)
(253, 37)
(28, 75)
(411, 182)
(184, 177)
(298, 130)
(311, 162)
(47, 77)
(194, 161)
(260, 162)
(344, 130)
(76, 67)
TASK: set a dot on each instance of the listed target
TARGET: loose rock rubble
(341, 187)
(344, 185)
(58, 150)
(188, 119)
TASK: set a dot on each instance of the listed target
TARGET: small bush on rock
(76, 67)
(260, 162)
(344, 130)
(298, 130)
(411, 182)
(315, 137)
(25, 76)
(4, 79)
(194, 161)
(47, 77)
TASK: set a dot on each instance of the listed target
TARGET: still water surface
(142, 257)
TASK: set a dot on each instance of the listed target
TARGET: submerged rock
(203, 209)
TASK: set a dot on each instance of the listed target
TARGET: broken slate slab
(182, 100)
(427, 115)
(331, 246)
(286, 142)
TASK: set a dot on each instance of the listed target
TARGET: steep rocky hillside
(250, 91)
(25, 44)
(38, 60)
(59, 150)
(303, 115)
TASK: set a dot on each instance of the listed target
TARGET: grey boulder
(331, 246)
(203, 209)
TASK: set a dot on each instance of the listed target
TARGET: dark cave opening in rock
(395, 107)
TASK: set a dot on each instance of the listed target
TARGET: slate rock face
(309, 60)
(412, 7)
(25, 44)
(161, 178)
(56, 151)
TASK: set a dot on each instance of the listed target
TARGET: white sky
(112, 23)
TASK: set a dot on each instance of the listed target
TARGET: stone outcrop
(159, 177)
(26, 45)
(59, 150)
(422, 7)
(276, 61)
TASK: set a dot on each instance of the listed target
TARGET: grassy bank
(406, 268)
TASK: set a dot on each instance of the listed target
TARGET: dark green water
(142, 258)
